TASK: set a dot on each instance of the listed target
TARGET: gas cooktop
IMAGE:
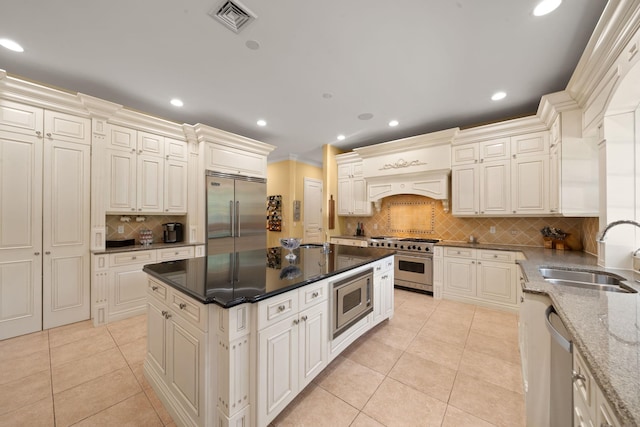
(403, 243)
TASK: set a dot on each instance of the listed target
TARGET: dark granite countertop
(605, 326)
(138, 247)
(259, 274)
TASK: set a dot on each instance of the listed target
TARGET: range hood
(419, 165)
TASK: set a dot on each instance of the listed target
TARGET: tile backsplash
(133, 227)
(508, 231)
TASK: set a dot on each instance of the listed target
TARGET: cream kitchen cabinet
(530, 184)
(120, 285)
(44, 212)
(480, 276)
(292, 349)
(349, 242)
(352, 187)
(236, 161)
(482, 189)
(465, 191)
(382, 290)
(590, 407)
(147, 173)
(176, 349)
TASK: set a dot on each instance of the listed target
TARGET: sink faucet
(609, 226)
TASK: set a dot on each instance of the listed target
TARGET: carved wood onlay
(401, 163)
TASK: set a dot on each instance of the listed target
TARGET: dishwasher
(561, 367)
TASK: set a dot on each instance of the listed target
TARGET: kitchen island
(233, 338)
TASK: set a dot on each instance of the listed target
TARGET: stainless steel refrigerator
(236, 212)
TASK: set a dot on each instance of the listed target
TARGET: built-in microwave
(352, 300)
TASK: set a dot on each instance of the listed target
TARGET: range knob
(395, 245)
(414, 247)
(401, 246)
(419, 248)
(389, 244)
(426, 249)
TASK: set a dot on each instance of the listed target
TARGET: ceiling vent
(233, 14)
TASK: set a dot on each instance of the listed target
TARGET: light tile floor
(435, 363)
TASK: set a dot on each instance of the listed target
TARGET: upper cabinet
(147, 173)
(352, 187)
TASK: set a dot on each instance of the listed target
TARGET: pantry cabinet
(44, 212)
(352, 187)
(480, 276)
(147, 173)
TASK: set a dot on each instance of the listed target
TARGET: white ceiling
(430, 64)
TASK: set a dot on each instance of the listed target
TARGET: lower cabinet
(383, 290)
(590, 407)
(176, 352)
(291, 352)
(481, 276)
(119, 286)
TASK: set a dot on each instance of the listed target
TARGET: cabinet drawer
(498, 256)
(136, 257)
(437, 251)
(387, 264)
(312, 294)
(583, 387)
(171, 254)
(460, 252)
(189, 309)
(276, 308)
(158, 290)
(348, 242)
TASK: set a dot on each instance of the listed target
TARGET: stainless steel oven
(413, 261)
(352, 299)
(414, 271)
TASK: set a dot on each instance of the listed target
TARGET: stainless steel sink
(586, 279)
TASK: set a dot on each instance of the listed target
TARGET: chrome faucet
(600, 237)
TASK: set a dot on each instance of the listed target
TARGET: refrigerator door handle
(238, 218)
(231, 217)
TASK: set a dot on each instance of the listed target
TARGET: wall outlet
(121, 229)
(492, 229)
(375, 226)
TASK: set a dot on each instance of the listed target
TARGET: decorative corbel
(445, 205)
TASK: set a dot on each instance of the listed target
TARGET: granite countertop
(604, 325)
(132, 248)
(259, 274)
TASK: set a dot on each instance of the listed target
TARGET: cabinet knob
(133, 209)
(514, 156)
(166, 210)
(139, 209)
(36, 253)
(133, 150)
(514, 211)
(47, 253)
(296, 321)
(167, 157)
(315, 295)
(281, 308)
(182, 306)
(168, 316)
(48, 134)
(521, 299)
(134, 257)
(473, 262)
(164, 313)
(553, 210)
(479, 263)
(139, 151)
(476, 212)
(39, 134)
(154, 288)
(176, 253)
(495, 256)
(481, 160)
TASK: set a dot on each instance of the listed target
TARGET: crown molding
(206, 133)
(500, 129)
(553, 104)
(415, 142)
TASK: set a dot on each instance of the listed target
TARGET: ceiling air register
(233, 15)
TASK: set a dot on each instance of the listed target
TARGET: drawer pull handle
(154, 288)
(164, 313)
(182, 306)
(315, 295)
(167, 316)
(134, 257)
(578, 377)
(495, 256)
(304, 318)
(296, 321)
(281, 308)
(177, 253)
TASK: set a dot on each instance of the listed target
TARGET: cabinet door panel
(277, 368)
(66, 216)
(150, 174)
(187, 353)
(65, 127)
(460, 276)
(360, 204)
(175, 187)
(121, 139)
(465, 190)
(150, 144)
(129, 288)
(122, 181)
(345, 198)
(20, 234)
(156, 337)
(496, 149)
(15, 117)
(176, 150)
(497, 282)
(530, 185)
(313, 343)
(495, 186)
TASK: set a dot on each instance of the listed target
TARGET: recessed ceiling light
(498, 96)
(341, 137)
(393, 123)
(261, 122)
(11, 45)
(546, 6)
(176, 102)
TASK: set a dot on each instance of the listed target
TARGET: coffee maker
(173, 232)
